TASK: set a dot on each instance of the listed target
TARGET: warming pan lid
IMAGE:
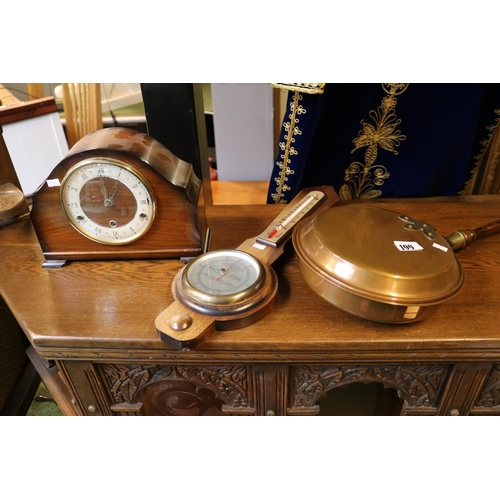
(379, 254)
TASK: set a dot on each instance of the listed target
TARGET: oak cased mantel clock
(118, 194)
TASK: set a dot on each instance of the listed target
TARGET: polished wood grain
(24, 110)
(462, 238)
(179, 221)
(175, 231)
(179, 327)
(90, 306)
(104, 312)
(239, 192)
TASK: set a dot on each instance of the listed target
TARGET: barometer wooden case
(230, 289)
(118, 194)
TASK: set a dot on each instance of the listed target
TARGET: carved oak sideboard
(93, 340)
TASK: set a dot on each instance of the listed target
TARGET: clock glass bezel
(97, 232)
(199, 288)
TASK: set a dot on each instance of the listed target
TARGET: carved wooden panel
(419, 386)
(178, 390)
(178, 398)
(464, 386)
(488, 402)
(82, 379)
(270, 388)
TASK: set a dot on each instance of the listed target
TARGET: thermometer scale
(231, 289)
(275, 233)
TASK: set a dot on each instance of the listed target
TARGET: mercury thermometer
(275, 232)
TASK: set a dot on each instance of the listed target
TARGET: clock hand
(108, 202)
(103, 189)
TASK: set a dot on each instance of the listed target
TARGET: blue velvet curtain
(384, 140)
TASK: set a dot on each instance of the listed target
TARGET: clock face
(107, 201)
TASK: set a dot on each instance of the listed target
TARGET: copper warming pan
(381, 265)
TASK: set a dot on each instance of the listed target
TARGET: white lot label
(408, 246)
(53, 183)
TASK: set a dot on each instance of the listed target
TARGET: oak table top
(106, 309)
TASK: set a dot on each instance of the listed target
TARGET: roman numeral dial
(107, 201)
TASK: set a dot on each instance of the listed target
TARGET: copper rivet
(180, 322)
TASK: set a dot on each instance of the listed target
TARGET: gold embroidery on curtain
(287, 148)
(360, 178)
(292, 129)
(485, 178)
(308, 88)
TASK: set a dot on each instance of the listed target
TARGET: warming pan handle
(465, 237)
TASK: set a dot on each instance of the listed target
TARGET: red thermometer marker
(272, 235)
(309, 199)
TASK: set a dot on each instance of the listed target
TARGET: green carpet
(43, 408)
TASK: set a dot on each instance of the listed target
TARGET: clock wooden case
(107, 166)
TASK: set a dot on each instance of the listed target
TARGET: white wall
(244, 132)
(36, 145)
